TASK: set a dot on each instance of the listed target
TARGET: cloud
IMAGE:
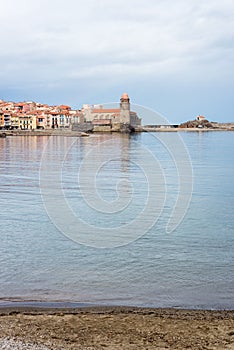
(52, 42)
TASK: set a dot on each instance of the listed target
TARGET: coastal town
(35, 116)
(19, 117)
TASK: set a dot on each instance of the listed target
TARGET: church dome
(125, 96)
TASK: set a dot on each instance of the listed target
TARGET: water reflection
(191, 268)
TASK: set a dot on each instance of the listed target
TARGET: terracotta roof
(35, 112)
(103, 110)
(65, 107)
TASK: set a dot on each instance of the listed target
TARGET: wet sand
(116, 328)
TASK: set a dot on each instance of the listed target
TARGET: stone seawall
(121, 128)
(58, 132)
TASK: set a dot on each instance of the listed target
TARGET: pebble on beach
(11, 344)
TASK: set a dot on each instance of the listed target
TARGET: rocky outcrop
(196, 124)
(126, 128)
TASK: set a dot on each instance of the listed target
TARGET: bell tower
(125, 109)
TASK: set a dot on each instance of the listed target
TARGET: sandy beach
(115, 328)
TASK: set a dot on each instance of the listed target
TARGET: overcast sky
(174, 56)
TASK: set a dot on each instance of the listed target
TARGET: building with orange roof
(62, 107)
(27, 121)
(58, 120)
(200, 117)
(30, 115)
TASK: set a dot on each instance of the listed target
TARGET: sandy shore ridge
(115, 328)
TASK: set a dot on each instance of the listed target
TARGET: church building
(111, 119)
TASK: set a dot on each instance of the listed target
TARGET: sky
(172, 56)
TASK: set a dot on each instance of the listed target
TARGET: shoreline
(70, 133)
(116, 328)
(102, 309)
(186, 129)
(19, 303)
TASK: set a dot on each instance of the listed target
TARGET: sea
(144, 220)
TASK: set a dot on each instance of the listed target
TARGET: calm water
(193, 266)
